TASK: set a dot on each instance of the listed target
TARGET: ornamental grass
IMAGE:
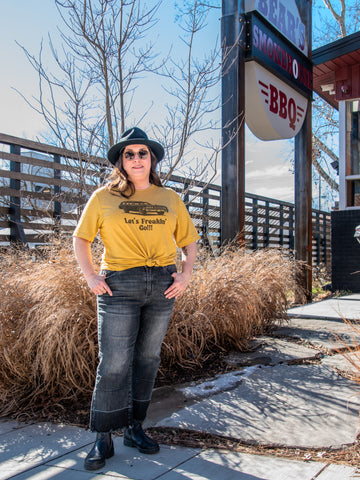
(232, 298)
(351, 350)
(48, 329)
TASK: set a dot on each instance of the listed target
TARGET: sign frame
(280, 57)
(273, 109)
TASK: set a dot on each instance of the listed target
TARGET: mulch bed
(349, 455)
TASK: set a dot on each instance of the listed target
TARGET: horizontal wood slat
(268, 222)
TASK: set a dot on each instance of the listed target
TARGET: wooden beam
(303, 200)
(233, 128)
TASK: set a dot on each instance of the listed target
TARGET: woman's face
(136, 160)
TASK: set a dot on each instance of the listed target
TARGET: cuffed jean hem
(131, 327)
(105, 422)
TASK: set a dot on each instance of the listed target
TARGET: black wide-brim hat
(135, 136)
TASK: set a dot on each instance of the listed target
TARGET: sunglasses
(130, 155)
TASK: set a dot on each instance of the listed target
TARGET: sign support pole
(303, 196)
(233, 125)
(303, 208)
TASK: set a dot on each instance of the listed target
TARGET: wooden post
(281, 224)
(205, 216)
(233, 128)
(318, 237)
(267, 225)
(186, 198)
(255, 219)
(291, 228)
(325, 259)
(17, 234)
(303, 209)
(57, 191)
(303, 197)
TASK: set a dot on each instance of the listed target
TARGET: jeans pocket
(171, 269)
(108, 273)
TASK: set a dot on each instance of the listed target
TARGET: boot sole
(130, 443)
(96, 466)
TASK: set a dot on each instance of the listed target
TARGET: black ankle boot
(134, 436)
(103, 448)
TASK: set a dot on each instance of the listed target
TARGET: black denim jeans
(131, 327)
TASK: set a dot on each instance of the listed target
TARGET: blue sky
(28, 22)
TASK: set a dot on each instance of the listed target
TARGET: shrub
(48, 346)
(48, 336)
(231, 299)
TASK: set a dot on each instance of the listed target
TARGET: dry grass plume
(48, 338)
(231, 299)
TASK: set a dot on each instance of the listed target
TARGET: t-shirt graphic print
(144, 209)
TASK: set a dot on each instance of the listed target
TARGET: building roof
(336, 70)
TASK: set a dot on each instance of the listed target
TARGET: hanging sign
(272, 50)
(273, 110)
(278, 73)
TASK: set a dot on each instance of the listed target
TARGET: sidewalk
(287, 392)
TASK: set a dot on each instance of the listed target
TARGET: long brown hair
(119, 183)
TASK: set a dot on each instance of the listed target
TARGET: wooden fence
(43, 189)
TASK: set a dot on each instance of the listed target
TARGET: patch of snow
(220, 383)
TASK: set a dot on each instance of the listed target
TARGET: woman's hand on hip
(98, 285)
(181, 281)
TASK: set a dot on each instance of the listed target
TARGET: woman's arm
(188, 258)
(82, 249)
(181, 280)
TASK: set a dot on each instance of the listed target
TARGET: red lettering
(279, 104)
(283, 105)
(292, 113)
(277, 57)
(262, 43)
(273, 107)
(283, 59)
(289, 63)
(301, 73)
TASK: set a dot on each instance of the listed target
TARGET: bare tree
(86, 95)
(86, 89)
(338, 16)
(344, 15)
(191, 82)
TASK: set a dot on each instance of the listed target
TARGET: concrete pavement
(286, 392)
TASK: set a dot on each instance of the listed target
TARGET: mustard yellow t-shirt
(142, 230)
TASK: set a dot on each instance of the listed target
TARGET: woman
(140, 223)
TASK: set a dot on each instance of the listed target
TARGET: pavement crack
(176, 466)
(306, 361)
(305, 343)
